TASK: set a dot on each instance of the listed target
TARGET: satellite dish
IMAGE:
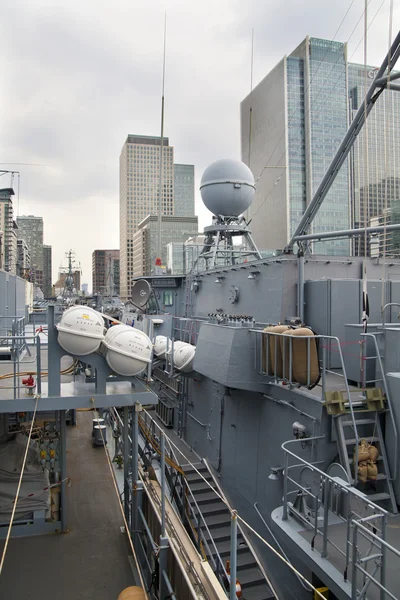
(141, 292)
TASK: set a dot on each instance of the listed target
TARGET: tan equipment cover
(300, 356)
(132, 593)
(274, 343)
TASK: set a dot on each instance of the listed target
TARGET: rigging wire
(386, 167)
(120, 506)
(224, 500)
(318, 113)
(18, 487)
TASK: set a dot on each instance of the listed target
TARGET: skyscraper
(298, 117)
(47, 277)
(139, 193)
(106, 272)
(375, 156)
(31, 230)
(173, 229)
(183, 190)
(8, 256)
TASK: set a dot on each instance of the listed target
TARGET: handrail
(347, 487)
(383, 311)
(286, 337)
(250, 547)
(389, 402)
(172, 453)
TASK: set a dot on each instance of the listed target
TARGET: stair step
(224, 547)
(367, 439)
(200, 488)
(219, 520)
(196, 467)
(219, 533)
(359, 422)
(259, 592)
(205, 497)
(196, 478)
(378, 497)
(213, 508)
(245, 560)
(251, 577)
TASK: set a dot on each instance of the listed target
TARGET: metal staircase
(368, 427)
(217, 533)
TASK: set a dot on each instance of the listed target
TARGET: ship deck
(92, 559)
(333, 566)
(337, 535)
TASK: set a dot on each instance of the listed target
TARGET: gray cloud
(77, 78)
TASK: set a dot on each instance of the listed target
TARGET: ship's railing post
(354, 564)
(285, 485)
(126, 463)
(63, 469)
(233, 557)
(163, 553)
(324, 552)
(383, 558)
(38, 364)
(137, 486)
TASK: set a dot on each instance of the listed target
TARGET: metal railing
(328, 499)
(388, 400)
(17, 341)
(187, 503)
(186, 329)
(268, 363)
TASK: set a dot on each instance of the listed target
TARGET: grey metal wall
(12, 295)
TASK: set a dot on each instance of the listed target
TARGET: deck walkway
(91, 560)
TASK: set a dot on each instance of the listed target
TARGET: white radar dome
(80, 330)
(128, 350)
(227, 187)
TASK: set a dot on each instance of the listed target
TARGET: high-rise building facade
(47, 267)
(139, 193)
(291, 126)
(30, 229)
(106, 272)
(8, 248)
(23, 259)
(173, 229)
(183, 190)
(375, 156)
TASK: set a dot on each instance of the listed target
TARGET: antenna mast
(160, 183)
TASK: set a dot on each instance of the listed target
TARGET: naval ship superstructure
(247, 412)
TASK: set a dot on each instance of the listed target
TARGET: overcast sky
(76, 77)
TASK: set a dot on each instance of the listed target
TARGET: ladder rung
(358, 422)
(367, 439)
(378, 497)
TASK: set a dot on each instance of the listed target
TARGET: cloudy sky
(76, 77)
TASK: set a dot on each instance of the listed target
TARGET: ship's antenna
(251, 93)
(160, 183)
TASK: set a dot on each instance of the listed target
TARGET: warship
(247, 411)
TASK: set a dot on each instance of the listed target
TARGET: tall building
(31, 230)
(139, 193)
(183, 190)
(173, 229)
(23, 259)
(298, 117)
(8, 248)
(47, 267)
(376, 152)
(106, 272)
